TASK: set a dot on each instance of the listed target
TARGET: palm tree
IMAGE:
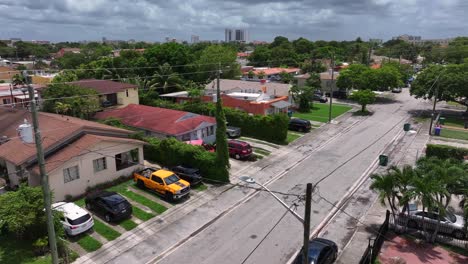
(386, 186)
(165, 80)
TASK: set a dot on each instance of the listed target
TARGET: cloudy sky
(153, 20)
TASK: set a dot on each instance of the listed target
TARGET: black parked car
(110, 205)
(187, 173)
(298, 124)
(320, 98)
(321, 251)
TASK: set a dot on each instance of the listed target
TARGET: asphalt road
(241, 235)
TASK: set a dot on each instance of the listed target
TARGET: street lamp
(305, 222)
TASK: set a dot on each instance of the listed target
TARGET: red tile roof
(104, 86)
(159, 120)
(271, 71)
(55, 130)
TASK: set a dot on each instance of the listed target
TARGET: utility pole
(436, 94)
(44, 177)
(218, 75)
(305, 250)
(331, 89)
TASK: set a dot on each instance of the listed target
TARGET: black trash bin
(383, 160)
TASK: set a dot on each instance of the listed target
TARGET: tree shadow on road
(386, 100)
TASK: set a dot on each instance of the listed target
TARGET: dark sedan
(187, 173)
(321, 251)
(110, 205)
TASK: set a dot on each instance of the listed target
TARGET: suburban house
(62, 51)
(326, 80)
(78, 153)
(111, 93)
(259, 98)
(163, 123)
(10, 94)
(265, 73)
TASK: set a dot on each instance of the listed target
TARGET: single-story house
(111, 93)
(62, 51)
(78, 153)
(14, 95)
(265, 73)
(163, 123)
(326, 80)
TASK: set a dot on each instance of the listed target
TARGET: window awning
(281, 104)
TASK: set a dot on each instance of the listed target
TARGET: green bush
(274, 128)
(171, 152)
(445, 152)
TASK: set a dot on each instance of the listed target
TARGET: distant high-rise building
(195, 39)
(235, 35)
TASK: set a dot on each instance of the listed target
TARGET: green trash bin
(383, 160)
(442, 120)
(406, 127)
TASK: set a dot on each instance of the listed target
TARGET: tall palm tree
(165, 80)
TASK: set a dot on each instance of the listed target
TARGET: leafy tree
(386, 186)
(286, 77)
(314, 81)
(174, 54)
(65, 76)
(71, 60)
(261, 75)
(283, 54)
(21, 68)
(278, 41)
(303, 46)
(260, 57)
(209, 61)
(363, 97)
(351, 77)
(303, 96)
(312, 66)
(18, 80)
(80, 102)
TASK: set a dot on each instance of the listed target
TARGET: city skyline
(148, 21)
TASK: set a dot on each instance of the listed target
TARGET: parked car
(321, 251)
(298, 124)
(320, 98)
(239, 149)
(396, 90)
(187, 173)
(110, 205)
(163, 182)
(106, 104)
(340, 94)
(450, 224)
(75, 220)
(233, 132)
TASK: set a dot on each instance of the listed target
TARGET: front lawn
(105, 231)
(128, 224)
(13, 250)
(319, 112)
(454, 121)
(452, 133)
(142, 215)
(88, 243)
(123, 190)
(292, 136)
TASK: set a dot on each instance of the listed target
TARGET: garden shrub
(446, 152)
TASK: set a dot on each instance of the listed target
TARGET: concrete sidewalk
(364, 213)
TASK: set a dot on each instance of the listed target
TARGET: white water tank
(25, 131)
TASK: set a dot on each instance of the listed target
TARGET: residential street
(228, 228)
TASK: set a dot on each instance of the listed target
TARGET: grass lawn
(142, 215)
(454, 121)
(319, 112)
(260, 142)
(292, 136)
(261, 151)
(200, 187)
(80, 202)
(123, 190)
(105, 231)
(128, 224)
(88, 243)
(456, 134)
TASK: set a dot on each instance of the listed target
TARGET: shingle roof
(55, 130)
(156, 119)
(272, 88)
(104, 86)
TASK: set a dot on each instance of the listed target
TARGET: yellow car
(163, 182)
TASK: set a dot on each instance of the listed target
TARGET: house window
(99, 164)
(126, 159)
(6, 101)
(185, 137)
(211, 130)
(71, 174)
(126, 92)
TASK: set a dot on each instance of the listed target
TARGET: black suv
(298, 124)
(187, 173)
(110, 205)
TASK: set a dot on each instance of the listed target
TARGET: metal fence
(446, 233)
(374, 246)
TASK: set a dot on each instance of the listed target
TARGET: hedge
(171, 152)
(272, 128)
(446, 152)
